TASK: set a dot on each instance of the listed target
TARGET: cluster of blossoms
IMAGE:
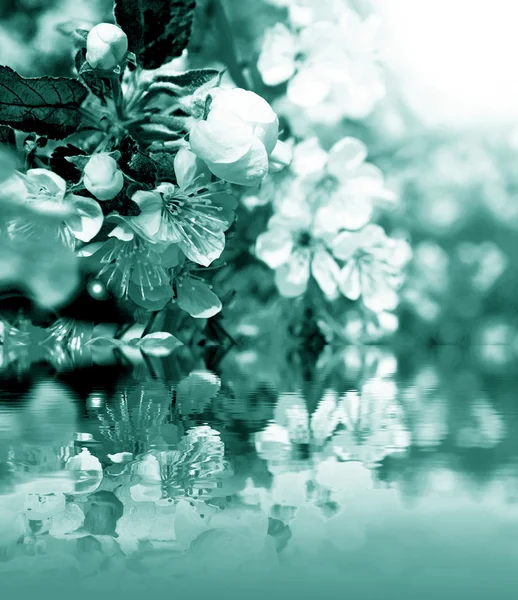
(144, 192)
(177, 218)
(329, 57)
(321, 228)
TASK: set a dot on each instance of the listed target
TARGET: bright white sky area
(459, 58)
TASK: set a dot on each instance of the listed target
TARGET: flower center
(304, 239)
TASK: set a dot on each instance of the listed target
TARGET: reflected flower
(373, 424)
(294, 435)
(195, 468)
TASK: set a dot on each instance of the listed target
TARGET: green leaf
(157, 30)
(164, 162)
(43, 105)
(135, 163)
(7, 137)
(97, 85)
(190, 81)
(60, 163)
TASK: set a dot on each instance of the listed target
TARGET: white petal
(189, 168)
(308, 157)
(122, 232)
(345, 245)
(349, 281)
(377, 294)
(55, 184)
(276, 63)
(150, 217)
(292, 277)
(196, 298)
(250, 169)
(307, 88)
(348, 153)
(274, 247)
(326, 272)
(222, 138)
(87, 222)
(251, 109)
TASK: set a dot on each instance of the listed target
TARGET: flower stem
(228, 50)
(117, 96)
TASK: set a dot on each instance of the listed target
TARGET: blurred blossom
(427, 283)
(488, 263)
(374, 424)
(487, 429)
(331, 66)
(329, 193)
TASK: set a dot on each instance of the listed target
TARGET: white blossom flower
(239, 137)
(45, 192)
(373, 269)
(332, 66)
(102, 177)
(330, 192)
(133, 267)
(106, 46)
(194, 214)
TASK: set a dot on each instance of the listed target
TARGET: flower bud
(238, 137)
(106, 46)
(102, 177)
(280, 157)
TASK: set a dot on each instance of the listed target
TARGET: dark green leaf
(43, 105)
(123, 204)
(190, 81)
(136, 163)
(164, 162)
(7, 137)
(97, 85)
(157, 30)
(63, 167)
(82, 33)
(79, 160)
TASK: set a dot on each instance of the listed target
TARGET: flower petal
(201, 246)
(222, 138)
(308, 157)
(274, 247)
(346, 244)
(189, 168)
(87, 221)
(348, 153)
(250, 169)
(377, 293)
(326, 272)
(150, 217)
(292, 277)
(276, 63)
(196, 298)
(160, 343)
(253, 110)
(308, 88)
(53, 183)
(349, 280)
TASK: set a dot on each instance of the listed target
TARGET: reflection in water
(384, 468)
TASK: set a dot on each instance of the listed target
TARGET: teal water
(372, 473)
